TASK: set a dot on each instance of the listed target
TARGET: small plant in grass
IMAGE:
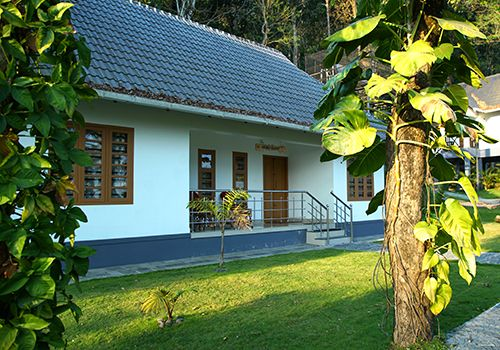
(162, 301)
(232, 209)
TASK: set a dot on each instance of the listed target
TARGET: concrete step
(319, 238)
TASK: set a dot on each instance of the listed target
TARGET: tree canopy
(245, 18)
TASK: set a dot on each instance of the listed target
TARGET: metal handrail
(298, 207)
(343, 215)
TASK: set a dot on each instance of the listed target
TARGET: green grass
(490, 241)
(494, 193)
(312, 300)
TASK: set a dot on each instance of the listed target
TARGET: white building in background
(188, 111)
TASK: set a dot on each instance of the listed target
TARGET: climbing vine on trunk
(411, 58)
(42, 73)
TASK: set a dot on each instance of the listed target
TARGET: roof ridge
(206, 27)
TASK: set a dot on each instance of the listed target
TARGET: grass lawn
(494, 193)
(490, 241)
(313, 300)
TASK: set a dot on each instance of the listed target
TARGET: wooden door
(275, 178)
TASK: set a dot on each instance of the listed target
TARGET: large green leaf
(434, 106)
(328, 156)
(441, 169)
(430, 259)
(23, 96)
(44, 38)
(464, 27)
(356, 30)
(26, 340)
(58, 10)
(32, 322)
(456, 221)
(351, 136)
(7, 337)
(409, 62)
(444, 51)
(41, 287)
(368, 160)
(430, 288)
(424, 231)
(7, 193)
(378, 86)
(375, 202)
(458, 96)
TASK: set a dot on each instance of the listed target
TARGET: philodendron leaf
(443, 270)
(327, 156)
(456, 220)
(378, 86)
(409, 62)
(444, 51)
(434, 106)
(356, 30)
(430, 288)
(464, 27)
(430, 260)
(438, 305)
(351, 136)
(445, 291)
(368, 160)
(458, 96)
(464, 273)
(424, 231)
(375, 202)
(441, 169)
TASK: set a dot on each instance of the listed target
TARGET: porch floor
(260, 229)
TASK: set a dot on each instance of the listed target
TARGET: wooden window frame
(239, 172)
(107, 166)
(211, 170)
(364, 179)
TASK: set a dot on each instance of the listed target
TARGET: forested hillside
(296, 27)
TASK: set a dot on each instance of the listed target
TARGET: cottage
(186, 111)
(484, 106)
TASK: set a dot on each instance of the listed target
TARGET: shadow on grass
(198, 273)
(277, 321)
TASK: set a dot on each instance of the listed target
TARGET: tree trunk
(404, 186)
(295, 43)
(328, 26)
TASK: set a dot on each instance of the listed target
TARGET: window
(110, 179)
(359, 188)
(240, 171)
(206, 171)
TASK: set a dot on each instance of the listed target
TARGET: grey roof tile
(139, 48)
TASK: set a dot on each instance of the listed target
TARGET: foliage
(491, 178)
(41, 82)
(287, 301)
(161, 301)
(429, 56)
(485, 15)
(232, 209)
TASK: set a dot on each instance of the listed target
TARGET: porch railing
(270, 209)
(342, 216)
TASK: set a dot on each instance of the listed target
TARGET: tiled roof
(487, 98)
(143, 51)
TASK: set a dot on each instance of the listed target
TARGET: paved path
(482, 332)
(135, 269)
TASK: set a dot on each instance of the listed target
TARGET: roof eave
(142, 101)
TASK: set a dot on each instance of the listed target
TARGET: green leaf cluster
(419, 84)
(38, 218)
